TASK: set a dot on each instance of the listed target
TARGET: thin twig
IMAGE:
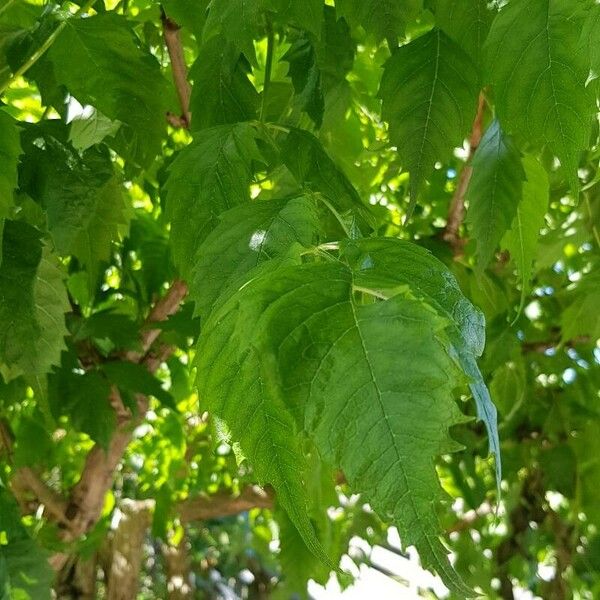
(268, 67)
(179, 69)
(456, 211)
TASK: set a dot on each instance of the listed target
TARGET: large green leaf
(10, 148)
(467, 22)
(429, 92)
(384, 19)
(390, 265)
(222, 92)
(33, 300)
(101, 62)
(246, 236)
(296, 343)
(81, 194)
(538, 69)
(209, 176)
(494, 191)
(522, 238)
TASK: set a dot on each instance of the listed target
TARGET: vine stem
(268, 68)
(39, 52)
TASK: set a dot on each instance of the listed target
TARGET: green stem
(39, 52)
(335, 213)
(268, 68)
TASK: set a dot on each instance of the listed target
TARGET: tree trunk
(127, 550)
(177, 570)
(77, 579)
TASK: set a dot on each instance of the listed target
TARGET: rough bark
(127, 550)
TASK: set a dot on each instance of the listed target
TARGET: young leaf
(522, 238)
(429, 91)
(209, 176)
(538, 69)
(299, 334)
(100, 61)
(246, 236)
(494, 191)
(33, 300)
(222, 92)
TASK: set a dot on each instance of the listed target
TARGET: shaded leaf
(494, 191)
(429, 91)
(209, 176)
(33, 301)
(125, 83)
(538, 69)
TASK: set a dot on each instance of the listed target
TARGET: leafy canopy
(279, 267)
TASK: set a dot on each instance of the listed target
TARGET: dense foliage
(264, 265)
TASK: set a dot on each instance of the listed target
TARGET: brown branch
(86, 499)
(179, 68)
(456, 211)
(203, 508)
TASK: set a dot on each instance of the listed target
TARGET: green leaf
(391, 265)
(85, 399)
(33, 300)
(581, 317)
(246, 236)
(590, 36)
(467, 22)
(429, 91)
(538, 69)
(10, 149)
(136, 379)
(30, 576)
(239, 381)
(81, 194)
(239, 21)
(90, 129)
(314, 170)
(101, 62)
(297, 342)
(522, 238)
(222, 92)
(209, 176)
(307, 15)
(384, 19)
(306, 78)
(494, 191)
